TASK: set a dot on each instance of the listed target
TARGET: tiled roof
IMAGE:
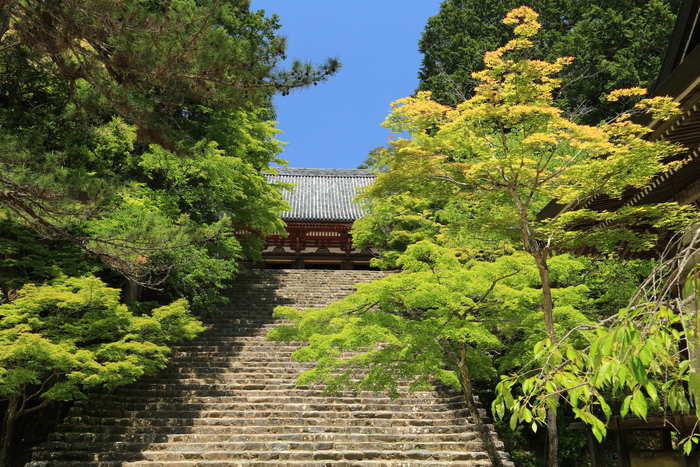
(322, 194)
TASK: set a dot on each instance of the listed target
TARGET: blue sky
(337, 123)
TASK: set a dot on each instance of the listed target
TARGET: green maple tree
(139, 132)
(61, 338)
(475, 176)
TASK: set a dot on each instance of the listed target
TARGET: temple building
(679, 78)
(319, 221)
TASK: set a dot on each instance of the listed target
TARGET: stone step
(292, 435)
(267, 429)
(234, 344)
(307, 419)
(255, 321)
(220, 387)
(297, 396)
(331, 455)
(270, 413)
(225, 333)
(283, 380)
(238, 448)
(270, 463)
(310, 393)
(257, 402)
(257, 360)
(235, 347)
(193, 394)
(228, 398)
(233, 354)
(280, 454)
(183, 370)
(231, 382)
(237, 367)
(267, 405)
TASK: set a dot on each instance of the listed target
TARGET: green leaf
(498, 407)
(687, 447)
(507, 397)
(539, 348)
(694, 385)
(683, 366)
(598, 432)
(607, 345)
(604, 372)
(639, 405)
(625, 407)
(678, 401)
(651, 390)
(645, 356)
(606, 409)
(638, 370)
(514, 420)
(692, 284)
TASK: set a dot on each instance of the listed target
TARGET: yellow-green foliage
(73, 334)
(503, 154)
(474, 178)
(407, 326)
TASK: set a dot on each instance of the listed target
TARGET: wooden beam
(654, 421)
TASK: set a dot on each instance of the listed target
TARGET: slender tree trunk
(548, 307)
(535, 250)
(552, 437)
(533, 247)
(481, 428)
(8, 426)
(547, 303)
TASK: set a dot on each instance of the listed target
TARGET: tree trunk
(547, 303)
(132, 292)
(540, 256)
(533, 247)
(552, 438)
(8, 426)
(481, 428)
(548, 307)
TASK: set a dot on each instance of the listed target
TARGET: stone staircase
(228, 398)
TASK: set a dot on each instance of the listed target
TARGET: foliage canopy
(616, 45)
(138, 131)
(60, 338)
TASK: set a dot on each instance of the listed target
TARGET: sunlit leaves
(616, 45)
(74, 334)
(408, 324)
(636, 358)
(509, 148)
(510, 137)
